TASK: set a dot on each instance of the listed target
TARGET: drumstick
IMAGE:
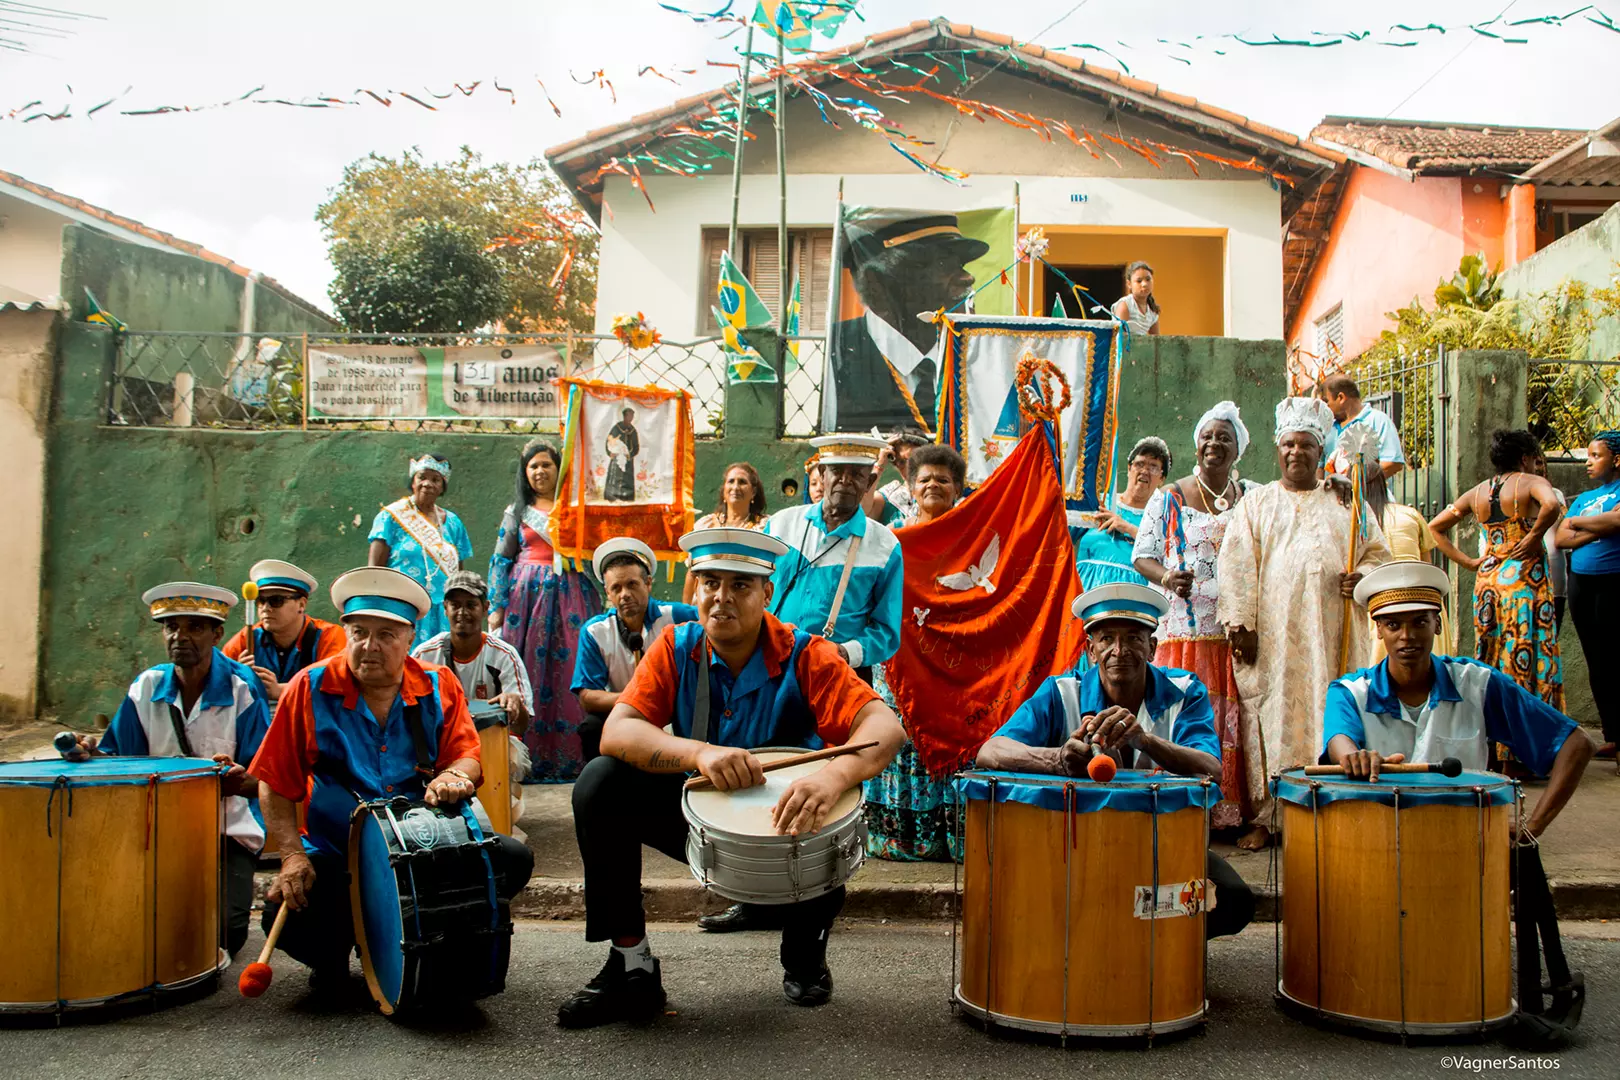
(255, 978)
(1449, 767)
(699, 783)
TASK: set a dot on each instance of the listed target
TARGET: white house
(1214, 236)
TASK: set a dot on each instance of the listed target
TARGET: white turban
(1306, 414)
(1228, 411)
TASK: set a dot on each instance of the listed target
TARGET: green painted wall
(132, 507)
(1590, 254)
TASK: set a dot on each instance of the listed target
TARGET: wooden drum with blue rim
(109, 881)
(1083, 904)
(1395, 900)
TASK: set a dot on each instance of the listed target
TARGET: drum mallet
(1101, 767)
(250, 609)
(65, 742)
(1449, 767)
(699, 783)
(255, 978)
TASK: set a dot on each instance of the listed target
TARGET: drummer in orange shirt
(736, 679)
(287, 640)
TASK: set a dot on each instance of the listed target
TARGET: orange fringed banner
(604, 491)
(988, 587)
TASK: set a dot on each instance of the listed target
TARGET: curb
(676, 901)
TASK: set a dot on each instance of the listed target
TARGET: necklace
(1222, 504)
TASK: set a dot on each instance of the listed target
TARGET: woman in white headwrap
(1283, 593)
(424, 540)
(1176, 547)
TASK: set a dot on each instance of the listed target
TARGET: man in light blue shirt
(1343, 396)
(842, 575)
(1417, 707)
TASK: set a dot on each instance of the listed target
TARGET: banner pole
(303, 423)
(1017, 218)
(737, 146)
(782, 208)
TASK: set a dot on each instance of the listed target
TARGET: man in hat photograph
(886, 362)
(199, 704)
(287, 639)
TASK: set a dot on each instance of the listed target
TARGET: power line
(1448, 63)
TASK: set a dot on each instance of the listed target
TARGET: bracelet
(458, 772)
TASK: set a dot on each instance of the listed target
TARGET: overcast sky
(245, 180)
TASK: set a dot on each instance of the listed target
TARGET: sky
(245, 180)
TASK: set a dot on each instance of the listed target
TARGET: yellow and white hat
(379, 591)
(848, 449)
(1403, 585)
(739, 551)
(269, 574)
(623, 545)
(177, 598)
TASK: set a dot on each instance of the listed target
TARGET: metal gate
(1412, 392)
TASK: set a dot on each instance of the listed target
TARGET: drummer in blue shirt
(1143, 716)
(1417, 707)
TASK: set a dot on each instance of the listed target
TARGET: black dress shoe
(614, 995)
(735, 917)
(809, 989)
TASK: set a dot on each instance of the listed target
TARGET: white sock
(637, 957)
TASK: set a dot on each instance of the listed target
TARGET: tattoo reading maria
(661, 760)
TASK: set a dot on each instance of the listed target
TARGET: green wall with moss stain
(133, 507)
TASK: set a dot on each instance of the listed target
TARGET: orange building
(1413, 198)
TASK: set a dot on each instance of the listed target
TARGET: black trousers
(240, 865)
(618, 808)
(321, 936)
(1592, 600)
(590, 735)
(1234, 900)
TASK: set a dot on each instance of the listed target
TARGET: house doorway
(1105, 283)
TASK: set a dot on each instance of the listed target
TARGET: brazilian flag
(95, 314)
(791, 361)
(740, 308)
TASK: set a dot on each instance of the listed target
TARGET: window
(809, 256)
(1566, 219)
(1330, 334)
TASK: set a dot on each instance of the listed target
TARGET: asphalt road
(728, 1020)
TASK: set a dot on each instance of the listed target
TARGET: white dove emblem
(921, 614)
(977, 575)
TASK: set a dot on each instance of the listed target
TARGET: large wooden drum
(495, 758)
(1395, 900)
(1083, 904)
(109, 880)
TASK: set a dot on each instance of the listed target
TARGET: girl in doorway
(1137, 308)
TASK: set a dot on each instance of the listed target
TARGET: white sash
(538, 520)
(426, 534)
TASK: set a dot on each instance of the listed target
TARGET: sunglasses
(277, 600)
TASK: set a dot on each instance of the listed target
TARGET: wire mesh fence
(1569, 401)
(262, 381)
(801, 396)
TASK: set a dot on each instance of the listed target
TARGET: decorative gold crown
(189, 605)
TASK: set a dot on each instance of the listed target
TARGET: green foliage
(429, 277)
(523, 211)
(1565, 401)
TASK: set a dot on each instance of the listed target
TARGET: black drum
(428, 916)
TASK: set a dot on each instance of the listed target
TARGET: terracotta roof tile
(168, 240)
(1424, 146)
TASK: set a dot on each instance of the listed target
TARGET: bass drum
(427, 915)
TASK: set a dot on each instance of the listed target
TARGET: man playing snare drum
(765, 683)
(1143, 716)
(1417, 707)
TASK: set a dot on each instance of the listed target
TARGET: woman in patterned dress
(538, 609)
(911, 816)
(420, 538)
(1515, 623)
(1176, 549)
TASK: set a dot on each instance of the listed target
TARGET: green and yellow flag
(741, 309)
(95, 314)
(790, 363)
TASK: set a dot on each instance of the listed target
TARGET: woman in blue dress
(1103, 552)
(418, 537)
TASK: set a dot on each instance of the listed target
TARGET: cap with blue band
(737, 551)
(370, 605)
(1130, 603)
(382, 593)
(276, 574)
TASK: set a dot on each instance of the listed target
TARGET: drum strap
(419, 741)
(700, 709)
(843, 583)
(179, 723)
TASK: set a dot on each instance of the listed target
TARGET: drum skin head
(375, 902)
(748, 812)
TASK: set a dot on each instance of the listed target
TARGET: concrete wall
(1589, 254)
(27, 342)
(1392, 240)
(653, 261)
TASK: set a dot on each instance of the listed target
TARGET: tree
(430, 277)
(543, 244)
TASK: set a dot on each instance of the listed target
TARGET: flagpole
(737, 147)
(781, 183)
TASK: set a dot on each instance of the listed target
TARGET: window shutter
(763, 270)
(813, 319)
(1330, 334)
(714, 244)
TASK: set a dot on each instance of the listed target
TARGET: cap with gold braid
(1403, 585)
(848, 449)
(737, 551)
(1131, 603)
(177, 598)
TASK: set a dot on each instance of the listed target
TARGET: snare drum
(495, 757)
(109, 880)
(1395, 900)
(734, 850)
(1082, 905)
(428, 918)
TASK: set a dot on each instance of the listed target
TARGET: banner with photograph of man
(628, 454)
(884, 362)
